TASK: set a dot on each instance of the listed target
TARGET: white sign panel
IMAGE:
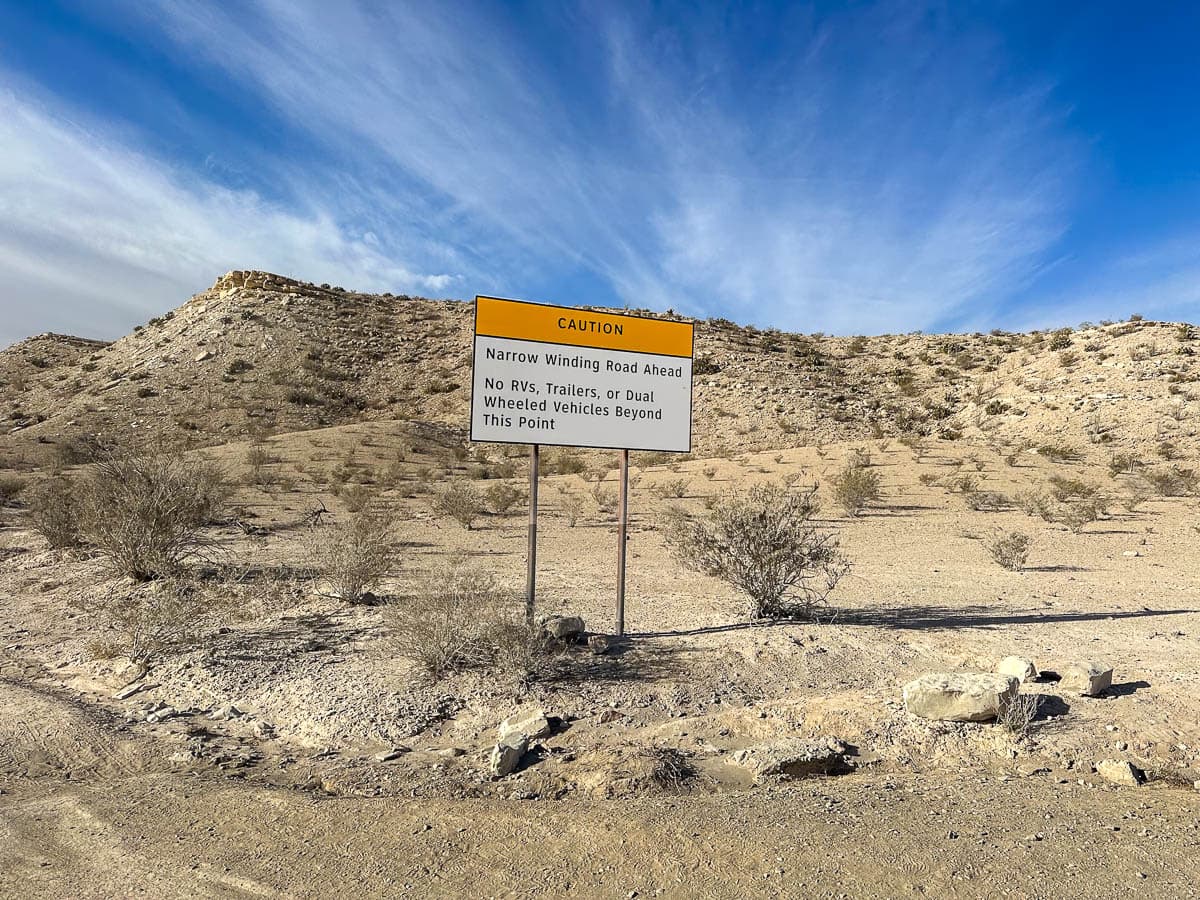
(552, 375)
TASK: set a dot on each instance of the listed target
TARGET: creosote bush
(355, 554)
(856, 486)
(162, 616)
(503, 497)
(763, 542)
(459, 618)
(1010, 549)
(146, 512)
(461, 502)
(54, 511)
(11, 488)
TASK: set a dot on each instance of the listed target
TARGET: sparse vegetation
(460, 618)
(354, 555)
(856, 486)
(501, 497)
(54, 512)
(764, 543)
(146, 513)
(460, 501)
(1010, 549)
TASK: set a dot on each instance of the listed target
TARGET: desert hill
(260, 354)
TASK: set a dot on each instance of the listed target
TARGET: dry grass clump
(460, 501)
(1010, 549)
(985, 501)
(763, 543)
(459, 618)
(856, 486)
(353, 556)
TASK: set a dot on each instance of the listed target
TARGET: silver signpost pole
(531, 570)
(622, 531)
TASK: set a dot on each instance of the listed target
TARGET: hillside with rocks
(260, 354)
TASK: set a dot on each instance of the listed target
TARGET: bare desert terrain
(285, 743)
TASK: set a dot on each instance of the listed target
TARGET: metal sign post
(622, 540)
(531, 561)
(577, 377)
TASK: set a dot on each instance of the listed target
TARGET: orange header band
(580, 328)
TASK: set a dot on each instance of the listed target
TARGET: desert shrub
(1059, 452)
(1010, 549)
(964, 484)
(572, 508)
(1019, 713)
(672, 488)
(1173, 482)
(985, 501)
(160, 617)
(358, 497)
(763, 542)
(146, 512)
(460, 618)
(353, 556)
(257, 460)
(1076, 516)
(54, 512)
(606, 498)
(460, 501)
(503, 497)
(927, 478)
(11, 488)
(1123, 464)
(1035, 503)
(709, 472)
(1066, 489)
(856, 486)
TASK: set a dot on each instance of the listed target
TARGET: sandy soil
(289, 799)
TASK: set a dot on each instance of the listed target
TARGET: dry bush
(457, 618)
(856, 486)
(503, 497)
(1076, 516)
(257, 460)
(985, 501)
(165, 615)
(54, 512)
(1124, 464)
(358, 497)
(1174, 482)
(460, 501)
(928, 479)
(1010, 549)
(11, 488)
(763, 543)
(353, 556)
(572, 508)
(672, 488)
(606, 498)
(1067, 489)
(146, 513)
(1019, 713)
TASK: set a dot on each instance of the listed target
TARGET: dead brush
(670, 769)
(459, 618)
(1010, 549)
(163, 616)
(1019, 713)
(146, 513)
(353, 556)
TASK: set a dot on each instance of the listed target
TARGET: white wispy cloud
(890, 194)
(95, 237)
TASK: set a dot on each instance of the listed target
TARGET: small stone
(1118, 771)
(204, 355)
(1088, 679)
(563, 627)
(225, 712)
(1130, 554)
(129, 690)
(451, 751)
(1018, 667)
(506, 755)
(392, 754)
(530, 722)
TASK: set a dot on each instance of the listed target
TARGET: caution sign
(555, 375)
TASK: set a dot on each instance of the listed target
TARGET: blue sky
(849, 168)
